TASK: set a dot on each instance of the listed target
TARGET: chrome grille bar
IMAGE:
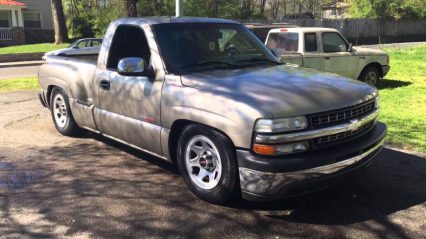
(305, 135)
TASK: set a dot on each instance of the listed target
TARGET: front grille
(344, 135)
(343, 115)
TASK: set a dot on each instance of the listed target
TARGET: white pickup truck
(326, 49)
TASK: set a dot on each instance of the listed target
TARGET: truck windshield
(192, 47)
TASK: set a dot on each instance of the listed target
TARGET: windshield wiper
(208, 63)
(259, 60)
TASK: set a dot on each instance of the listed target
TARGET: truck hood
(283, 91)
(363, 51)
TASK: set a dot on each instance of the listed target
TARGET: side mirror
(276, 53)
(131, 66)
(350, 49)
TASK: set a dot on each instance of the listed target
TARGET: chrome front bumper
(267, 184)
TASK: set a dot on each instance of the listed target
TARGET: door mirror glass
(131, 66)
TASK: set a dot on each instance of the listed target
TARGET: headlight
(281, 149)
(377, 103)
(281, 125)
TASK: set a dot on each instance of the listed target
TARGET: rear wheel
(370, 76)
(207, 162)
(61, 113)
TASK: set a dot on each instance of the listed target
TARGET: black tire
(368, 73)
(68, 127)
(228, 186)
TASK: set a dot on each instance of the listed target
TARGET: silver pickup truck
(207, 95)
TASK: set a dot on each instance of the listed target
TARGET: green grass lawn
(43, 47)
(403, 98)
(18, 84)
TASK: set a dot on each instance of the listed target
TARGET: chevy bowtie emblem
(354, 125)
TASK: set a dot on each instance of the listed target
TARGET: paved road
(53, 186)
(14, 72)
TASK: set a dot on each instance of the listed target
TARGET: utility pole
(179, 8)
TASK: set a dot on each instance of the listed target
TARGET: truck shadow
(395, 181)
(114, 191)
(392, 84)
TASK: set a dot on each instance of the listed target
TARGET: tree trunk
(131, 8)
(262, 6)
(61, 34)
(215, 7)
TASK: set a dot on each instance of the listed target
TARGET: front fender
(235, 119)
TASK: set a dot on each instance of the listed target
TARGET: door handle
(105, 85)
(327, 57)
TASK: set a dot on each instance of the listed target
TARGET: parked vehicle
(208, 95)
(83, 46)
(328, 50)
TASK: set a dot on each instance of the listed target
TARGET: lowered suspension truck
(207, 95)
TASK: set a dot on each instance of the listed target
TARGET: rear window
(284, 42)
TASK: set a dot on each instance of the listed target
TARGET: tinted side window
(128, 41)
(311, 42)
(333, 42)
(96, 43)
(82, 44)
(272, 41)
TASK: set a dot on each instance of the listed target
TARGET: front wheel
(370, 76)
(207, 162)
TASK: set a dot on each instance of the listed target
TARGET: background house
(335, 10)
(25, 21)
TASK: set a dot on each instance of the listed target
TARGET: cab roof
(303, 29)
(161, 20)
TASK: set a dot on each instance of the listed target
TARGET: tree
(131, 8)
(388, 8)
(262, 6)
(215, 8)
(275, 7)
(61, 34)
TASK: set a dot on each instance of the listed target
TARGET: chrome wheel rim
(203, 162)
(371, 78)
(60, 110)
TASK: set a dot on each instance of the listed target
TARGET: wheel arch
(376, 65)
(49, 93)
(176, 131)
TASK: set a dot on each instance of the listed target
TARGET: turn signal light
(281, 149)
(264, 149)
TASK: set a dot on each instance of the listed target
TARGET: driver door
(129, 106)
(335, 57)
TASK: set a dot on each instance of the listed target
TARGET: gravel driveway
(52, 186)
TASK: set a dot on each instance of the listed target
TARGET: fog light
(292, 148)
